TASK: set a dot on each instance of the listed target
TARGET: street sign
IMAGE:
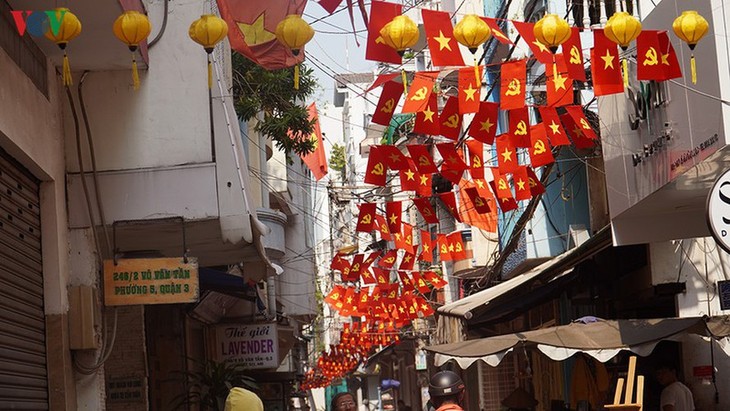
(150, 281)
(718, 211)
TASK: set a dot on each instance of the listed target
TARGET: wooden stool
(629, 404)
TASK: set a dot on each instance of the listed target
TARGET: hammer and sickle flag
(419, 92)
(381, 13)
(540, 152)
(424, 162)
(382, 226)
(653, 62)
(497, 31)
(443, 246)
(512, 88)
(576, 132)
(375, 170)
(335, 295)
(388, 259)
(449, 200)
(573, 52)
(460, 251)
(519, 127)
(366, 218)
(475, 153)
(389, 98)
(484, 125)
(316, 160)
(423, 204)
(502, 191)
(536, 187)
(450, 119)
(481, 204)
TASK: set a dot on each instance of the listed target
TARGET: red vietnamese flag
(506, 155)
(381, 13)
(251, 28)
(519, 127)
(576, 132)
(478, 209)
(375, 170)
(350, 302)
(316, 160)
(387, 103)
(418, 282)
(388, 259)
(427, 212)
(393, 212)
(424, 185)
(406, 282)
(424, 307)
(400, 240)
(456, 246)
(367, 276)
(382, 79)
(440, 36)
(497, 31)
(443, 246)
(426, 247)
(420, 91)
(394, 158)
(409, 177)
(553, 127)
(536, 187)
(540, 152)
(449, 200)
(409, 259)
(484, 125)
(335, 295)
(450, 119)
(503, 193)
(338, 263)
(560, 90)
(541, 52)
(370, 260)
(579, 117)
(469, 90)
(382, 227)
(605, 66)
(433, 278)
(573, 54)
(668, 57)
(476, 158)
(522, 185)
(427, 121)
(451, 158)
(420, 155)
(513, 83)
(366, 218)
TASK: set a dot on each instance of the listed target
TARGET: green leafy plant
(337, 160)
(208, 387)
(269, 96)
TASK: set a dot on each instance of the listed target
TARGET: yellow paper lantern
(552, 31)
(690, 27)
(208, 31)
(294, 33)
(623, 28)
(400, 34)
(471, 32)
(68, 29)
(132, 28)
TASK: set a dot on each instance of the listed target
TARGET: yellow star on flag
(577, 131)
(393, 218)
(409, 174)
(424, 180)
(554, 127)
(665, 59)
(507, 154)
(486, 125)
(443, 41)
(470, 93)
(520, 184)
(607, 60)
(480, 183)
(540, 46)
(559, 82)
(428, 114)
(254, 33)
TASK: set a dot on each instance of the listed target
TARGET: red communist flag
(335, 295)
(394, 158)
(476, 158)
(451, 158)
(440, 37)
(409, 177)
(519, 127)
(366, 217)
(669, 57)
(408, 238)
(456, 246)
(605, 66)
(381, 13)
(387, 103)
(381, 277)
(418, 282)
(424, 185)
(375, 172)
(424, 207)
(355, 269)
(420, 155)
(427, 121)
(479, 203)
(433, 278)
(506, 155)
(579, 117)
(426, 247)
(540, 152)
(536, 187)
(251, 28)
(388, 259)
(503, 193)
(497, 31)
(541, 52)
(449, 200)
(553, 127)
(560, 87)
(469, 90)
(576, 132)
(316, 160)
(573, 52)
(484, 125)
(409, 259)
(420, 91)
(338, 263)
(477, 207)
(443, 246)
(393, 212)
(450, 119)
(513, 82)
(522, 184)
(382, 227)
(406, 282)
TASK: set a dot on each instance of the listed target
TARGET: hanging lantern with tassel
(400, 34)
(294, 33)
(623, 28)
(132, 28)
(69, 28)
(208, 31)
(471, 32)
(552, 31)
(690, 27)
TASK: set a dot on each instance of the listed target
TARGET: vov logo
(718, 211)
(36, 23)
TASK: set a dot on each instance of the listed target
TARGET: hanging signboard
(718, 211)
(253, 346)
(150, 281)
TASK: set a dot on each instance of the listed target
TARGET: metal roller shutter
(23, 374)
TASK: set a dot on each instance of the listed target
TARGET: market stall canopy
(601, 339)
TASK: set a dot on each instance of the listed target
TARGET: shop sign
(136, 281)
(127, 389)
(251, 345)
(718, 211)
